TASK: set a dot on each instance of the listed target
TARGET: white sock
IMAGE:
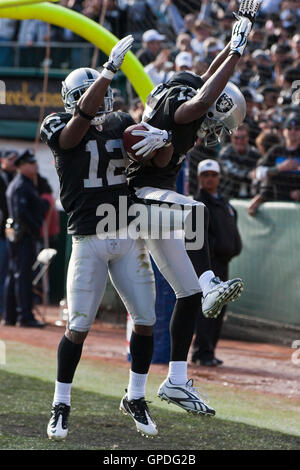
(62, 393)
(178, 372)
(204, 280)
(136, 386)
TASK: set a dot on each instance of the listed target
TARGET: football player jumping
(86, 142)
(187, 106)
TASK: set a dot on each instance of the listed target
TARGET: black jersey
(92, 173)
(161, 107)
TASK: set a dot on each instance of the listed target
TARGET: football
(129, 140)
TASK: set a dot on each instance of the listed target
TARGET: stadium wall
(269, 309)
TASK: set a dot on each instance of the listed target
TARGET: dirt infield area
(248, 366)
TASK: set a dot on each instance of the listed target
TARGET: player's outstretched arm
(93, 98)
(223, 67)
(216, 63)
(213, 87)
(247, 9)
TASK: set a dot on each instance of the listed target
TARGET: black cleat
(139, 412)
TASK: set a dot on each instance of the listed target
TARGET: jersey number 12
(110, 177)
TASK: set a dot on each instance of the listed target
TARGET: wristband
(108, 74)
(83, 114)
(110, 66)
(232, 52)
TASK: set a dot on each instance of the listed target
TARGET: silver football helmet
(74, 86)
(226, 114)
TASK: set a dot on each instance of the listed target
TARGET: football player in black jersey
(86, 142)
(187, 106)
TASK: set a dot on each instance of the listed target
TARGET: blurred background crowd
(260, 161)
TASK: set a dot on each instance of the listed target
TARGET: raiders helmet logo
(224, 104)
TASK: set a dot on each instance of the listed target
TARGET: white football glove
(240, 32)
(154, 139)
(242, 27)
(117, 54)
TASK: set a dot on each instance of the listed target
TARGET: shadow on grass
(97, 424)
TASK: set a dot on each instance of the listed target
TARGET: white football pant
(170, 255)
(129, 266)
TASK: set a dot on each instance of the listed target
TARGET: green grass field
(245, 420)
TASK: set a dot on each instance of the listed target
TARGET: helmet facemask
(224, 116)
(212, 132)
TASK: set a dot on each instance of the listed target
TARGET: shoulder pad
(52, 124)
(161, 93)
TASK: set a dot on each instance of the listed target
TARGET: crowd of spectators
(172, 35)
